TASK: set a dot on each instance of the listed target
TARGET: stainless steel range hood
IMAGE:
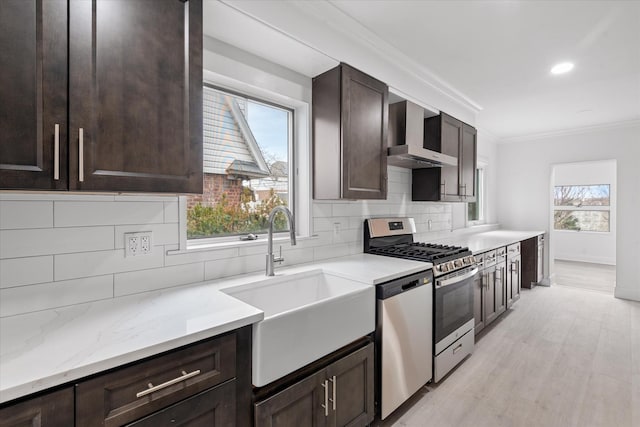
(406, 135)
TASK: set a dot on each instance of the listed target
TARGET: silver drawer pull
(81, 155)
(56, 152)
(153, 389)
(325, 385)
(333, 381)
(455, 350)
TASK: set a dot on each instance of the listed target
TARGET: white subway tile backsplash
(200, 256)
(25, 299)
(322, 210)
(171, 211)
(69, 214)
(26, 271)
(85, 264)
(25, 214)
(331, 251)
(157, 278)
(162, 234)
(233, 266)
(49, 241)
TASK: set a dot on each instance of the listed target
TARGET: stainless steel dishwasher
(404, 336)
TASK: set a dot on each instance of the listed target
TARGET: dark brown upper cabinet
(33, 94)
(132, 91)
(350, 119)
(450, 136)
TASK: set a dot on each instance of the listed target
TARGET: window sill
(193, 247)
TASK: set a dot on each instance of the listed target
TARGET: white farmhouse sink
(306, 316)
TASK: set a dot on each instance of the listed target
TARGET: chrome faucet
(292, 235)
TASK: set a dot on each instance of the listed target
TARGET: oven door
(453, 302)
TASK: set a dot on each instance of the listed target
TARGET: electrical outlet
(336, 229)
(139, 243)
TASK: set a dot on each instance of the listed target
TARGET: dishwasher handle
(403, 284)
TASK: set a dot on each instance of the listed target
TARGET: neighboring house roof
(229, 147)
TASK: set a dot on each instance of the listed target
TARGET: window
(247, 163)
(582, 208)
(476, 210)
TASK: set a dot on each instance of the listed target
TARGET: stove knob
(457, 263)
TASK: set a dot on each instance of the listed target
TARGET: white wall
(524, 185)
(488, 153)
(585, 246)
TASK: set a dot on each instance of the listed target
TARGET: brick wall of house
(214, 186)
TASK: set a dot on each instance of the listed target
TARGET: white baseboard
(627, 293)
(591, 259)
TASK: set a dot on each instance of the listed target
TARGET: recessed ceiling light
(561, 68)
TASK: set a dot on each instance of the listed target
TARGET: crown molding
(328, 15)
(573, 131)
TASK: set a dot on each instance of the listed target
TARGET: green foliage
(225, 218)
(565, 221)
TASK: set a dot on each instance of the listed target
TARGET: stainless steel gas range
(454, 270)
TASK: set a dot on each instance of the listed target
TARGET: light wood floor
(596, 277)
(561, 357)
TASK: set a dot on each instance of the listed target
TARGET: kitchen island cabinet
(350, 120)
(129, 79)
(338, 395)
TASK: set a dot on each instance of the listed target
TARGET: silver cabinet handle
(56, 152)
(153, 389)
(81, 155)
(333, 382)
(325, 385)
(455, 350)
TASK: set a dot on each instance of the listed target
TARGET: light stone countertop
(44, 349)
(488, 240)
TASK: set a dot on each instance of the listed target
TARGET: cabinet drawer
(111, 399)
(453, 355)
(212, 408)
(500, 252)
(513, 249)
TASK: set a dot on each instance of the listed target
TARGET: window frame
(583, 208)
(481, 196)
(299, 160)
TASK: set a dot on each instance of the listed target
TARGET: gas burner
(385, 237)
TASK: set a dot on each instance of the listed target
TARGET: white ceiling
(496, 53)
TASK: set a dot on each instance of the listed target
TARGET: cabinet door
(478, 302)
(500, 287)
(33, 94)
(212, 408)
(365, 115)
(50, 410)
(491, 297)
(515, 283)
(351, 389)
(451, 134)
(135, 87)
(297, 405)
(468, 163)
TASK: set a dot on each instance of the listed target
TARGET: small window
(582, 208)
(475, 210)
(247, 163)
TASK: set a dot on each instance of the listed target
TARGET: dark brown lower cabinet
(340, 394)
(49, 410)
(212, 408)
(489, 288)
(513, 280)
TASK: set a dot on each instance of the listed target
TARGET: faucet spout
(292, 236)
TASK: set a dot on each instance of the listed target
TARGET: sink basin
(306, 316)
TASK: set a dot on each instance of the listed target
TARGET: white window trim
(483, 165)
(600, 208)
(302, 186)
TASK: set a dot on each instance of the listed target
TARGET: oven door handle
(457, 279)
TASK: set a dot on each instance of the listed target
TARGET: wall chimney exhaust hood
(406, 139)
